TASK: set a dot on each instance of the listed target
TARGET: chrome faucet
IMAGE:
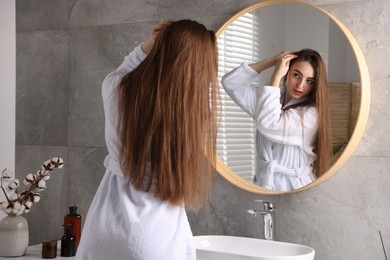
(268, 213)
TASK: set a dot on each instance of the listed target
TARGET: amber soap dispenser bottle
(74, 219)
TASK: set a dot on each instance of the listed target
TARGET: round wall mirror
(265, 29)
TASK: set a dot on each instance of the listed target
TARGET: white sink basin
(243, 248)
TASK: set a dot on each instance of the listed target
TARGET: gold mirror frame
(236, 180)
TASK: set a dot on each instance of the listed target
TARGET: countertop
(35, 252)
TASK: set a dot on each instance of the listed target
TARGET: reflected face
(300, 80)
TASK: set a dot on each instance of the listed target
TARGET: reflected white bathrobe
(284, 139)
(122, 222)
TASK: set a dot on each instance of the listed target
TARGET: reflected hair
(318, 97)
(167, 116)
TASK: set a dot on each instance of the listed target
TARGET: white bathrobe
(122, 222)
(284, 139)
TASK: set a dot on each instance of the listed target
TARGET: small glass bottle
(74, 219)
(68, 242)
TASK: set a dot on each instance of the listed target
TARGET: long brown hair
(167, 115)
(318, 97)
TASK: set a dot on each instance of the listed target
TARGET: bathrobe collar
(292, 101)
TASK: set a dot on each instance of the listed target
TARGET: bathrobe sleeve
(129, 63)
(237, 85)
(110, 98)
(292, 127)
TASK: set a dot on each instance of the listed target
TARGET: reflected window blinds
(237, 130)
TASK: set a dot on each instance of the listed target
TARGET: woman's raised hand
(282, 64)
(149, 43)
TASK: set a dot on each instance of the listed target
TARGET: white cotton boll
(46, 177)
(13, 196)
(4, 205)
(49, 165)
(7, 173)
(58, 161)
(8, 210)
(42, 184)
(17, 205)
(36, 197)
(14, 210)
(28, 204)
(55, 160)
(31, 177)
(26, 211)
(13, 184)
(41, 173)
(46, 165)
(7, 188)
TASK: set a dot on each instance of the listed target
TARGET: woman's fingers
(282, 65)
(287, 58)
(280, 55)
(158, 26)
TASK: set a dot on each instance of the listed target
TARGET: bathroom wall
(64, 50)
(7, 97)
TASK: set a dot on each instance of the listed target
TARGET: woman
(293, 123)
(160, 132)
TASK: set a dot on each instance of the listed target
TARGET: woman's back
(157, 155)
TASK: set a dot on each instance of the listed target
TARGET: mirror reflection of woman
(293, 139)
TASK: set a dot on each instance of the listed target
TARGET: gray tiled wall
(64, 50)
